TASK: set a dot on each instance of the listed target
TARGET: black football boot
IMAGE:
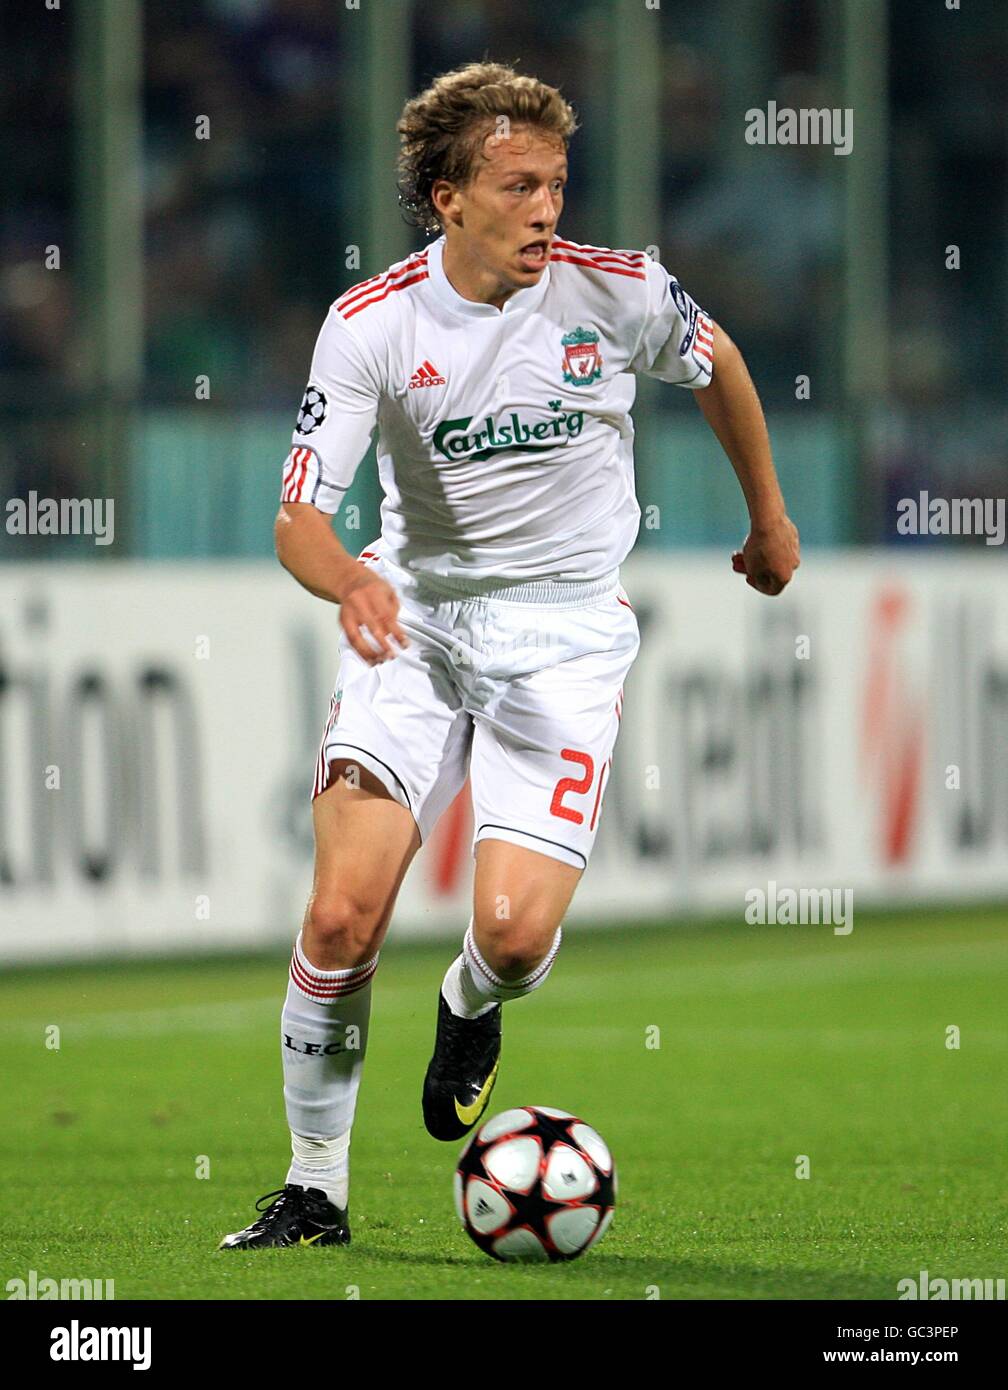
(462, 1072)
(297, 1216)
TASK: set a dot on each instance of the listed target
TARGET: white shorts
(524, 694)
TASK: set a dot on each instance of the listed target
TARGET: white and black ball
(535, 1184)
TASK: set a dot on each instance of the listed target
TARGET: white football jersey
(505, 445)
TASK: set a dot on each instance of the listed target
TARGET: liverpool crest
(582, 361)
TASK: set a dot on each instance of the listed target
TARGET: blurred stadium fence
(851, 735)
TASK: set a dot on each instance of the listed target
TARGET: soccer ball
(535, 1184)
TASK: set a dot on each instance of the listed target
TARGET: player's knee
(342, 924)
(514, 949)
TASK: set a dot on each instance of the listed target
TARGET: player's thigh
(403, 720)
(364, 843)
(543, 749)
(520, 898)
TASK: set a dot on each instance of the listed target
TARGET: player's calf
(463, 1070)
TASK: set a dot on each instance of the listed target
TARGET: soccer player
(486, 632)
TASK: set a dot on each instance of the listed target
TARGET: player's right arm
(332, 435)
(309, 549)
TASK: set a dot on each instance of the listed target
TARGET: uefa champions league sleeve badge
(313, 410)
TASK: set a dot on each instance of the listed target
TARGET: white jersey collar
(446, 292)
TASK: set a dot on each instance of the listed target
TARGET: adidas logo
(426, 375)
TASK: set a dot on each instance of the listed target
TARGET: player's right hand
(368, 608)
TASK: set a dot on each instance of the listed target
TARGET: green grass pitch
(775, 1042)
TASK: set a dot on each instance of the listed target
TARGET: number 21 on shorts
(577, 786)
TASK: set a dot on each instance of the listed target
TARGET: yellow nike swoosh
(469, 1114)
(311, 1239)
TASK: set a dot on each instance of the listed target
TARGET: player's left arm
(732, 408)
(677, 342)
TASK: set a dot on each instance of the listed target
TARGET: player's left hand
(770, 556)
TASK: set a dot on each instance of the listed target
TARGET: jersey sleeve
(335, 422)
(677, 340)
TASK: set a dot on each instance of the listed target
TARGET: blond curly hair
(441, 131)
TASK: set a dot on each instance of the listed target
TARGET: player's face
(503, 221)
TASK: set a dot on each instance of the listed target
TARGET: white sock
(322, 1163)
(323, 1037)
(460, 992)
(470, 987)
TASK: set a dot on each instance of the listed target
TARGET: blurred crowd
(244, 232)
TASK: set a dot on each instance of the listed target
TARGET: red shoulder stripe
(602, 253)
(367, 287)
(383, 291)
(594, 265)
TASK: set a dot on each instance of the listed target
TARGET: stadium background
(160, 365)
